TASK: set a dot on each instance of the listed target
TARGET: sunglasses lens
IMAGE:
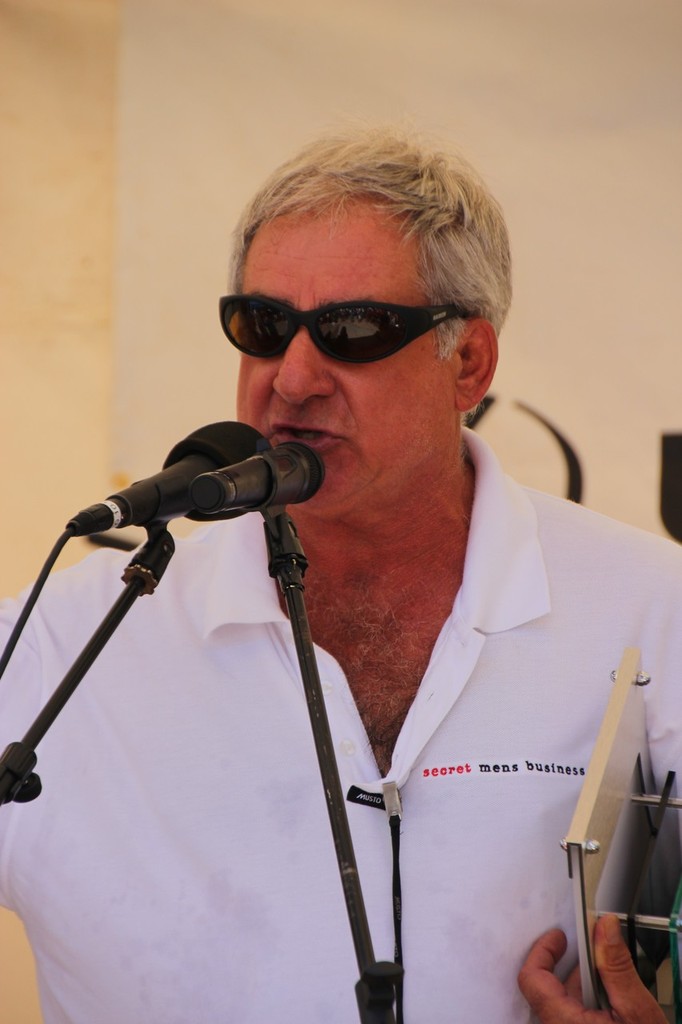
(360, 333)
(357, 333)
(255, 327)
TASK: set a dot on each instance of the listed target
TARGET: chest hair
(384, 649)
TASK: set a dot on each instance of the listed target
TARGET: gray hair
(437, 197)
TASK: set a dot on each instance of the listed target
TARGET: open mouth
(307, 435)
(321, 439)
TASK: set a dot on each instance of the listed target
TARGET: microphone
(283, 475)
(166, 495)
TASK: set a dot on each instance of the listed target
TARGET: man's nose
(304, 371)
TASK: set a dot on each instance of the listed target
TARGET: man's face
(386, 430)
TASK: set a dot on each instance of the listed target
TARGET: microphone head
(275, 477)
(308, 480)
(223, 443)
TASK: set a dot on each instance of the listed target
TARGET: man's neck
(388, 550)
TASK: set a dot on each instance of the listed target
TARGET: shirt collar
(238, 588)
(505, 578)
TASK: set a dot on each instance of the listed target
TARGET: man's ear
(476, 357)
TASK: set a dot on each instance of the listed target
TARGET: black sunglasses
(355, 331)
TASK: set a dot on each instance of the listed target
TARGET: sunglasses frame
(417, 320)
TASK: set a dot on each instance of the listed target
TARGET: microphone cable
(33, 597)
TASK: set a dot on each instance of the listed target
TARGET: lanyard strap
(394, 811)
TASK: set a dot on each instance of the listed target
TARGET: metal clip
(392, 800)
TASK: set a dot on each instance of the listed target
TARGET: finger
(573, 984)
(628, 997)
(547, 951)
(538, 983)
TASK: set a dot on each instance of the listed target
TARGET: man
(181, 867)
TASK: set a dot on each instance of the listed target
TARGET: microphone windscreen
(224, 443)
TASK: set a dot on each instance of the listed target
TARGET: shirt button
(327, 688)
(347, 747)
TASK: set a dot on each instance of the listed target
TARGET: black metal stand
(375, 990)
(18, 780)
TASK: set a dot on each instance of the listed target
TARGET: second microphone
(284, 475)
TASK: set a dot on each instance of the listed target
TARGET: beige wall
(57, 89)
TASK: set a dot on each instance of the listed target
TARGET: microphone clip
(151, 561)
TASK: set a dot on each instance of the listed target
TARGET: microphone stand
(18, 781)
(375, 990)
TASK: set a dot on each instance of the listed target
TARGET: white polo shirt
(178, 866)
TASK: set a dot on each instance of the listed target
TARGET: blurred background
(132, 132)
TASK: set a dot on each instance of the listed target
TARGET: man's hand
(556, 1003)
